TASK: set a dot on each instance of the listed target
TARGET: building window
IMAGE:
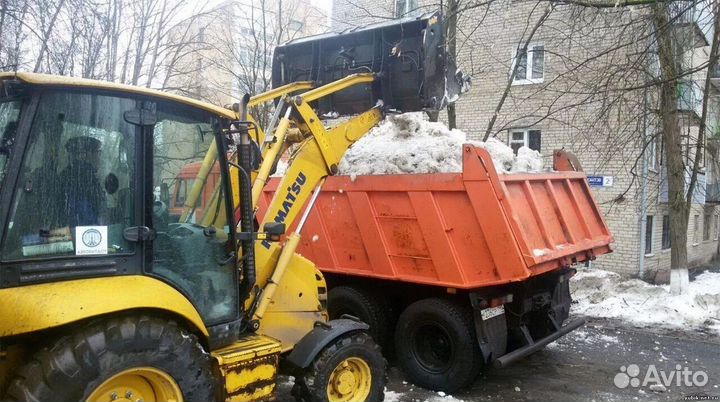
(696, 222)
(530, 64)
(706, 226)
(717, 227)
(404, 8)
(666, 232)
(525, 138)
(648, 234)
(652, 153)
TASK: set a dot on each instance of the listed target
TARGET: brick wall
(606, 131)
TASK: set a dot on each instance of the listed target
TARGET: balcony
(715, 76)
(689, 97)
(712, 193)
(684, 17)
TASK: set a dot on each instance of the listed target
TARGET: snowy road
(582, 367)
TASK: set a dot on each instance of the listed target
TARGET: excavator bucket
(414, 71)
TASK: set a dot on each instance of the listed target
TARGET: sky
(325, 5)
(192, 7)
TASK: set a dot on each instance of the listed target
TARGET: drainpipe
(643, 187)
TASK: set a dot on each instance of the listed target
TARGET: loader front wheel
(351, 369)
(128, 358)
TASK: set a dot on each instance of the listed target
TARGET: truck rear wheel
(350, 369)
(129, 358)
(436, 344)
(364, 305)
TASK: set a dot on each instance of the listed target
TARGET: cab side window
(9, 115)
(192, 248)
(76, 186)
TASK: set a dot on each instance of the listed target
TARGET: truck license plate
(491, 312)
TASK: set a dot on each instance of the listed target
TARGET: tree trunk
(679, 208)
(451, 40)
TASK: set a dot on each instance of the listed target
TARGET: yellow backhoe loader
(105, 296)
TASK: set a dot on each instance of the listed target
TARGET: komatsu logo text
(291, 195)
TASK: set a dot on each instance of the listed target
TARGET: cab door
(195, 251)
(72, 189)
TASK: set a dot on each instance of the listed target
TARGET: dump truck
(456, 271)
(106, 295)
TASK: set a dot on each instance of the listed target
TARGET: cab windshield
(9, 116)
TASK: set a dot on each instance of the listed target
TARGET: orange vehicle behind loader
(455, 271)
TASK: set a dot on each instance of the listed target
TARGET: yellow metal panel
(296, 304)
(56, 80)
(249, 368)
(37, 307)
(258, 394)
(290, 326)
(247, 348)
(240, 379)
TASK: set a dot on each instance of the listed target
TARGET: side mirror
(274, 230)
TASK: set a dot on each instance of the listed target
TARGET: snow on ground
(408, 143)
(392, 396)
(606, 294)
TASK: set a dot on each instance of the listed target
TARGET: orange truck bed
(459, 230)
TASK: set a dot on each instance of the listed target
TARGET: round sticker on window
(90, 240)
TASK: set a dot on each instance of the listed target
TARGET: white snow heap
(408, 143)
(527, 160)
(605, 294)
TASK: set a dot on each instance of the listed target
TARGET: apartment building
(583, 85)
(234, 46)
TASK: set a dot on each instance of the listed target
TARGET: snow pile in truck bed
(408, 143)
(606, 294)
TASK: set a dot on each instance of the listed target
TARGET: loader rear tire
(150, 358)
(436, 344)
(363, 304)
(350, 369)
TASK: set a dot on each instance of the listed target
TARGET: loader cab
(80, 169)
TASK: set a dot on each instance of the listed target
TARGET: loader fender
(33, 308)
(322, 335)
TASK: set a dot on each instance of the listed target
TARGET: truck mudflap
(533, 346)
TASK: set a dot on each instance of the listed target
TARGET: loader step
(249, 368)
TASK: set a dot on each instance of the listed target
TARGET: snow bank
(605, 294)
(408, 143)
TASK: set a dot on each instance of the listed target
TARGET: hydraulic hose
(245, 155)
